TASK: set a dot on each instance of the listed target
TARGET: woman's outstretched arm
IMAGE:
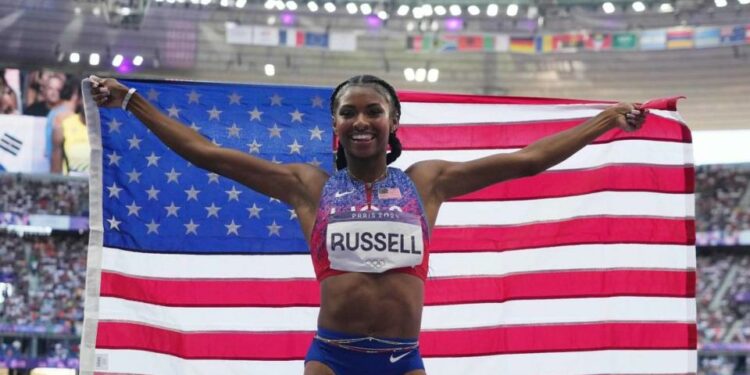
(296, 184)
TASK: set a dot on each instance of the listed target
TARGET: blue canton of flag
(156, 201)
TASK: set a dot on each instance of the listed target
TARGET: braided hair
(388, 92)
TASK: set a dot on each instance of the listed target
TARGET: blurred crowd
(723, 297)
(722, 200)
(36, 195)
(43, 282)
(722, 291)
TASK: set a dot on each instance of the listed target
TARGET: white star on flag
(213, 210)
(114, 126)
(317, 102)
(173, 176)
(153, 193)
(255, 114)
(134, 142)
(212, 177)
(192, 193)
(234, 131)
(254, 211)
(172, 210)
(152, 94)
(153, 160)
(234, 98)
(153, 227)
(195, 127)
(316, 133)
(314, 162)
(274, 229)
(254, 147)
(193, 97)
(294, 148)
(191, 227)
(213, 113)
(276, 99)
(133, 209)
(275, 131)
(114, 223)
(233, 194)
(292, 214)
(114, 191)
(296, 115)
(134, 176)
(174, 111)
(114, 158)
(232, 228)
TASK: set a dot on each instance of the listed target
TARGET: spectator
(50, 87)
(8, 98)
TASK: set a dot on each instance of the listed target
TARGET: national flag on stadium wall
(652, 40)
(586, 268)
(522, 44)
(569, 42)
(731, 35)
(680, 37)
(420, 42)
(598, 41)
(708, 36)
(624, 41)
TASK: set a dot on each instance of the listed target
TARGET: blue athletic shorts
(356, 355)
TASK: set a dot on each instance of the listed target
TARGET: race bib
(374, 241)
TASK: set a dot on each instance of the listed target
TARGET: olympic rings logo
(376, 263)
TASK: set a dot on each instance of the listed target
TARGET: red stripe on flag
(576, 182)
(595, 230)
(558, 338)
(570, 284)
(428, 97)
(517, 135)
(448, 343)
(212, 292)
(439, 291)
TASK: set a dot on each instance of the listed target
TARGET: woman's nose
(360, 122)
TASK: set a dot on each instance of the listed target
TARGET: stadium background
(564, 48)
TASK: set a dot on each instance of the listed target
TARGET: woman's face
(363, 121)
(8, 102)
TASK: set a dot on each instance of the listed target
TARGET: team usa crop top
(371, 228)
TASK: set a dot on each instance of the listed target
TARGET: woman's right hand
(107, 92)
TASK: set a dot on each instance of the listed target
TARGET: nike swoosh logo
(396, 359)
(339, 194)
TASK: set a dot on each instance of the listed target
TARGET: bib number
(374, 241)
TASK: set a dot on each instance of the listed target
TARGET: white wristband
(127, 99)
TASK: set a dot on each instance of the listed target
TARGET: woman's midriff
(378, 305)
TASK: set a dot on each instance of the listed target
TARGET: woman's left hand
(630, 116)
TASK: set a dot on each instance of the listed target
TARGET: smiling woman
(367, 225)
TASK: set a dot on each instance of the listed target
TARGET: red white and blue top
(370, 227)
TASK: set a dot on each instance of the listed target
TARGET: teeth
(362, 137)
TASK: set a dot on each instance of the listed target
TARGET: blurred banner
(22, 144)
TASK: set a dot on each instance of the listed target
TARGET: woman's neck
(367, 171)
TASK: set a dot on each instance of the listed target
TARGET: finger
(95, 81)
(100, 97)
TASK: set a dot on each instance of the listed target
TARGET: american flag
(588, 268)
